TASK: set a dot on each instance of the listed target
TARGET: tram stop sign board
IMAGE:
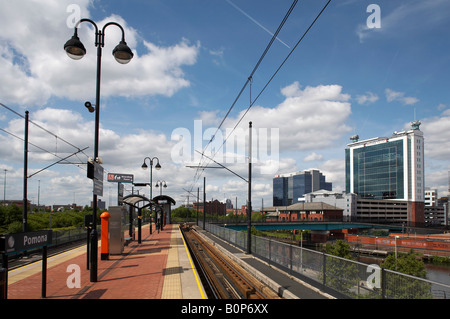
(13, 243)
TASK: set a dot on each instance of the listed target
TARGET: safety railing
(348, 278)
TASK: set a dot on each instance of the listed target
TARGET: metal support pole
(198, 200)
(25, 176)
(139, 225)
(249, 205)
(204, 202)
(44, 273)
(94, 235)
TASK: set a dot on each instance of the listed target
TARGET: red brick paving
(136, 274)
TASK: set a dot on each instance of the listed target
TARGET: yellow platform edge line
(192, 266)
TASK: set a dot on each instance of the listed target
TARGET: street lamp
(144, 167)
(161, 184)
(122, 53)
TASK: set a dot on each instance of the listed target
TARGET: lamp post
(161, 184)
(157, 167)
(122, 53)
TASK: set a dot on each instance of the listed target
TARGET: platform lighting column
(123, 54)
(157, 167)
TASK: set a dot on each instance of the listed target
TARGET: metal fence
(348, 278)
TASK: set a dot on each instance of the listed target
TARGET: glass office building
(291, 188)
(388, 168)
(378, 171)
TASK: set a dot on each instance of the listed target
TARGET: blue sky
(191, 60)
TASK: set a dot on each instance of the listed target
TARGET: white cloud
(308, 119)
(392, 95)
(34, 66)
(437, 136)
(334, 170)
(313, 157)
(367, 98)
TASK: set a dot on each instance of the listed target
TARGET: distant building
(291, 188)
(61, 208)
(212, 207)
(347, 202)
(389, 168)
(18, 202)
(100, 204)
(431, 197)
(304, 212)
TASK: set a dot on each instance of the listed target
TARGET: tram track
(222, 277)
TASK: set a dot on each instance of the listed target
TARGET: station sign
(120, 178)
(12, 243)
(95, 172)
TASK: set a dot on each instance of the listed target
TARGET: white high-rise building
(388, 168)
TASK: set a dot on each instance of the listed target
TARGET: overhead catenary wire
(265, 86)
(40, 126)
(61, 161)
(249, 79)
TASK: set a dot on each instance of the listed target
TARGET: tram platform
(159, 267)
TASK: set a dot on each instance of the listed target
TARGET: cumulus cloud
(34, 66)
(308, 119)
(313, 157)
(437, 136)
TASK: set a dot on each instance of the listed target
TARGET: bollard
(105, 236)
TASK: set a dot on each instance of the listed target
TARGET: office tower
(389, 168)
(290, 188)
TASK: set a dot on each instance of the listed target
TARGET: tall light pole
(157, 167)
(4, 188)
(249, 200)
(161, 184)
(122, 53)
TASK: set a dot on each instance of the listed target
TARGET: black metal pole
(249, 205)
(139, 224)
(204, 202)
(130, 221)
(94, 235)
(198, 201)
(25, 176)
(44, 273)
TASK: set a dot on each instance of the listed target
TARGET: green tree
(340, 273)
(339, 249)
(402, 287)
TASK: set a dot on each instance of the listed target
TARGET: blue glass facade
(378, 171)
(287, 190)
(280, 191)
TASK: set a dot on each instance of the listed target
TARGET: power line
(39, 126)
(249, 79)
(268, 82)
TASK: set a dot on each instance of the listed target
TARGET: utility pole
(25, 176)
(204, 202)
(249, 201)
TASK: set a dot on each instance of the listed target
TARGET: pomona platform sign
(17, 242)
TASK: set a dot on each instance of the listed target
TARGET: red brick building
(304, 212)
(212, 207)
